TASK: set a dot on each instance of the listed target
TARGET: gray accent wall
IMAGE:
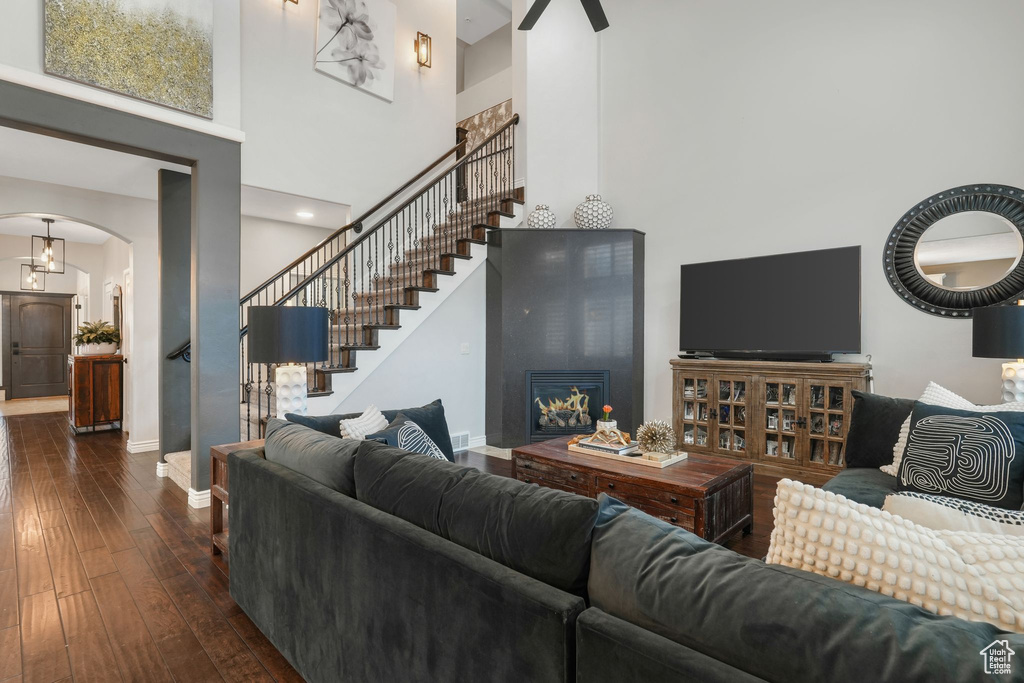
(563, 300)
(215, 225)
(175, 242)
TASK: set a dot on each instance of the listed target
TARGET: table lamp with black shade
(288, 336)
(999, 333)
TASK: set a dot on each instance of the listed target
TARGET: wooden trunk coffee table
(712, 497)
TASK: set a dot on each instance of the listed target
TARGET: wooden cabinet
(787, 418)
(95, 389)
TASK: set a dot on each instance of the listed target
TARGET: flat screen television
(804, 305)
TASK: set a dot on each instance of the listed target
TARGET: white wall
(484, 95)
(488, 56)
(135, 221)
(287, 242)
(312, 135)
(21, 46)
(556, 89)
(746, 128)
(430, 364)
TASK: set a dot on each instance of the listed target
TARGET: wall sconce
(422, 46)
(294, 2)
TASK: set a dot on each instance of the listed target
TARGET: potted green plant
(97, 338)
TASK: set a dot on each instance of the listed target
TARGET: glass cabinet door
(780, 401)
(731, 403)
(694, 420)
(828, 419)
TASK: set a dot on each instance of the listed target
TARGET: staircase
(384, 263)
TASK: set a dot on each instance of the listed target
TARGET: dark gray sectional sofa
(423, 570)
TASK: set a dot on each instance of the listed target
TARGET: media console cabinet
(786, 418)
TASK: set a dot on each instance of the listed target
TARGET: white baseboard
(198, 499)
(143, 446)
(161, 469)
(477, 441)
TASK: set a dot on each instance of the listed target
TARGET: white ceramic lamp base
(1013, 382)
(290, 382)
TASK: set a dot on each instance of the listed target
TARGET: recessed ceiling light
(304, 214)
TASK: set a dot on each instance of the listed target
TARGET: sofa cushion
(959, 573)
(404, 484)
(430, 417)
(971, 455)
(953, 514)
(404, 433)
(874, 428)
(777, 623)
(540, 532)
(321, 457)
(866, 486)
(936, 395)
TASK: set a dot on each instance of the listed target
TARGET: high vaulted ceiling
(480, 18)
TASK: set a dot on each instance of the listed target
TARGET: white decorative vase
(607, 425)
(593, 214)
(541, 218)
(96, 349)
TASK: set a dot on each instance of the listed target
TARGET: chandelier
(50, 251)
(33, 278)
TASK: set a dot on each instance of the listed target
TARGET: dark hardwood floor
(106, 574)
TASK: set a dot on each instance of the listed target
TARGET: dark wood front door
(40, 341)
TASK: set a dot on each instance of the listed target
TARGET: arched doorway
(39, 314)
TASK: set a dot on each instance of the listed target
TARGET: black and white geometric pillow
(407, 435)
(944, 513)
(968, 455)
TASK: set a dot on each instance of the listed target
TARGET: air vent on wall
(460, 442)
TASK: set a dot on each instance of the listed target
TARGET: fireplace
(564, 403)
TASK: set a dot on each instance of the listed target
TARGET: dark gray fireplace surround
(562, 300)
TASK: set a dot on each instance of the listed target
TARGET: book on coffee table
(605, 447)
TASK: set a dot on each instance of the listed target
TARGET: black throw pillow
(965, 454)
(404, 433)
(874, 428)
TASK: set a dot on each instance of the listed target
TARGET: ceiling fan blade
(596, 14)
(533, 14)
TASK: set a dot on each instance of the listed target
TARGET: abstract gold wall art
(155, 50)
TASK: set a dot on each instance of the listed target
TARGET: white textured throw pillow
(970, 576)
(944, 513)
(372, 420)
(936, 395)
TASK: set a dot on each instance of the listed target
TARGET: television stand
(788, 418)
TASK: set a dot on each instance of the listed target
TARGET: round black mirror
(958, 250)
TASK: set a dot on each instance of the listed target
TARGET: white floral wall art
(355, 43)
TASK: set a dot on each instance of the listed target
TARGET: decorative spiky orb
(656, 436)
